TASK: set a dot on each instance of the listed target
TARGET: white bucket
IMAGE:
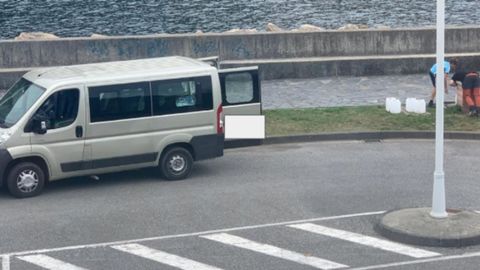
(420, 106)
(411, 105)
(396, 106)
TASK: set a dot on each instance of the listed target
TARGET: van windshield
(17, 101)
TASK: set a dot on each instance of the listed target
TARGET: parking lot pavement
(291, 206)
(337, 242)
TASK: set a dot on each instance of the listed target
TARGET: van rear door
(241, 96)
(241, 91)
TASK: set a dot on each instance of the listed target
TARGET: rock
(234, 30)
(350, 26)
(273, 28)
(382, 27)
(245, 31)
(35, 36)
(309, 28)
(98, 36)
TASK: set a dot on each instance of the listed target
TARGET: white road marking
(437, 259)
(366, 240)
(106, 244)
(48, 262)
(163, 257)
(5, 263)
(273, 251)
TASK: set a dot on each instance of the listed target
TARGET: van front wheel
(25, 179)
(176, 163)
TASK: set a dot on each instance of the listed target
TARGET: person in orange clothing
(471, 89)
(471, 92)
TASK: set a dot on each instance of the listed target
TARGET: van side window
(238, 88)
(182, 95)
(61, 108)
(121, 101)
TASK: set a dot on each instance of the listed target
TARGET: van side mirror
(39, 127)
(39, 123)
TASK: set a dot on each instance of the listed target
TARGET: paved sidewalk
(345, 91)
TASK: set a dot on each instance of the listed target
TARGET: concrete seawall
(280, 55)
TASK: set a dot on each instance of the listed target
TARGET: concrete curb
(352, 136)
(411, 238)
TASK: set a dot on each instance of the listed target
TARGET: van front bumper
(5, 159)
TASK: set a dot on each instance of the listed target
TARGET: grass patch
(362, 118)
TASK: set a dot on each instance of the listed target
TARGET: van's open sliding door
(241, 94)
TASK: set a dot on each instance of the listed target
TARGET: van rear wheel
(26, 179)
(176, 163)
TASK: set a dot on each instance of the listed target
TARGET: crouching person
(433, 74)
(471, 92)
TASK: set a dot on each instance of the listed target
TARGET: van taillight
(220, 128)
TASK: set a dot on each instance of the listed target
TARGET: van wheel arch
(34, 159)
(184, 145)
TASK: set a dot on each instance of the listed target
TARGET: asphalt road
(255, 193)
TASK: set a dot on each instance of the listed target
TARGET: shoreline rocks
(270, 27)
(273, 28)
(98, 36)
(350, 26)
(382, 27)
(309, 28)
(35, 36)
(239, 30)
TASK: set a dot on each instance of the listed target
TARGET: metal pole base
(438, 203)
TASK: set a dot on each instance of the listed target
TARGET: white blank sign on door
(244, 127)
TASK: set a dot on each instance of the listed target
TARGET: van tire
(176, 164)
(33, 177)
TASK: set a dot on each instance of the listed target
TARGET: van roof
(172, 65)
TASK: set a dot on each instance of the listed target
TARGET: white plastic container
(421, 106)
(411, 105)
(395, 106)
(388, 103)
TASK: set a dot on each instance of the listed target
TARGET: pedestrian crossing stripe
(366, 240)
(163, 257)
(48, 262)
(274, 251)
(5, 262)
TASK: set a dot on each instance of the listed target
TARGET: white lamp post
(438, 200)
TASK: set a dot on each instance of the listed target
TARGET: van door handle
(79, 131)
